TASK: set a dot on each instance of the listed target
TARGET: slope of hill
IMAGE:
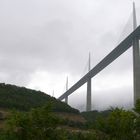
(21, 98)
(92, 116)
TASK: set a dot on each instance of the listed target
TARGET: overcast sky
(44, 41)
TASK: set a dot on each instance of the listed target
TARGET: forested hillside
(21, 98)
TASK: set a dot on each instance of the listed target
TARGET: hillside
(92, 116)
(21, 98)
(61, 122)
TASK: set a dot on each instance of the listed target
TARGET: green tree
(37, 124)
(119, 125)
(137, 120)
(137, 106)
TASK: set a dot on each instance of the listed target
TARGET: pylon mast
(89, 68)
(134, 17)
(67, 82)
(88, 106)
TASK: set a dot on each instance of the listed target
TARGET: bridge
(132, 40)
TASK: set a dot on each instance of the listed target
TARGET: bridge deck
(121, 48)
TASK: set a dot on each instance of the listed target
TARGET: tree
(37, 124)
(137, 120)
(119, 125)
(137, 106)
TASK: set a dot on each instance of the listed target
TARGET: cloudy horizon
(44, 41)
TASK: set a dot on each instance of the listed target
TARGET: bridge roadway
(120, 49)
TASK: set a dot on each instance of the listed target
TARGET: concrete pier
(88, 106)
(136, 60)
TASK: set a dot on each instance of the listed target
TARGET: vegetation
(92, 116)
(41, 123)
(20, 98)
(117, 123)
(37, 124)
(35, 118)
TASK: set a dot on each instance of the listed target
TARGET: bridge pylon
(88, 105)
(136, 60)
